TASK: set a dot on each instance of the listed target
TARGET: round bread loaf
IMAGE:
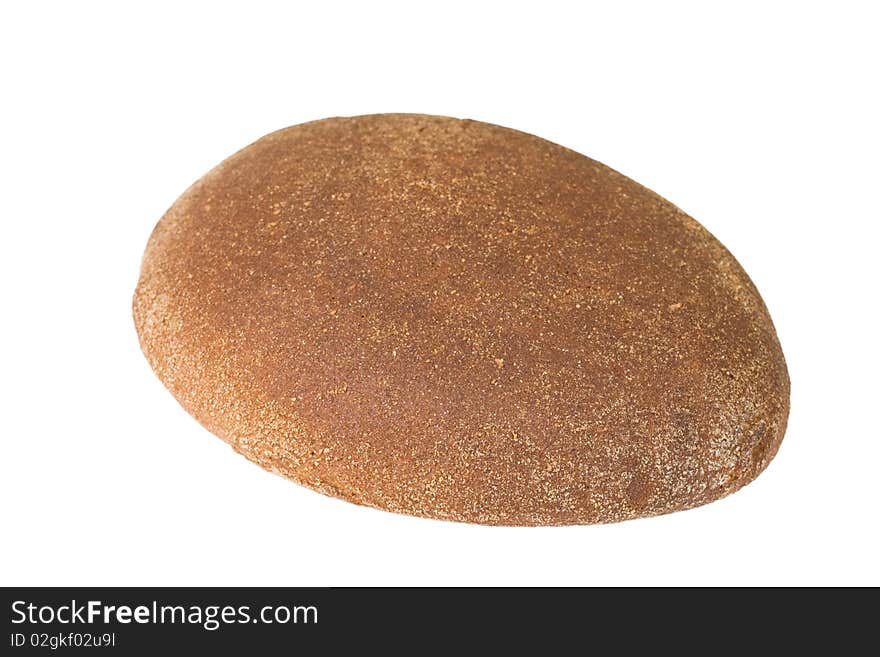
(452, 319)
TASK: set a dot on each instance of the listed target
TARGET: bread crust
(451, 319)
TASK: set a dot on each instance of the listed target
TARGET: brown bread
(457, 320)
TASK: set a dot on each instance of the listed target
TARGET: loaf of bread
(451, 319)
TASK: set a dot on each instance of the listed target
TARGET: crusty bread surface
(451, 319)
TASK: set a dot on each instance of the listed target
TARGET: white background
(760, 120)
